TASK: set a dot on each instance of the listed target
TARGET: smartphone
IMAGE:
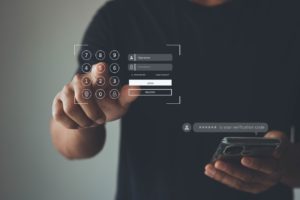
(234, 148)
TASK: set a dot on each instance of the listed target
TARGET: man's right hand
(73, 110)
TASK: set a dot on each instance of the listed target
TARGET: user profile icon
(187, 127)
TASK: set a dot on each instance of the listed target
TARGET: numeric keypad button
(86, 68)
(100, 81)
(100, 55)
(86, 55)
(114, 55)
(86, 81)
(100, 94)
(114, 94)
(86, 94)
(114, 81)
(114, 68)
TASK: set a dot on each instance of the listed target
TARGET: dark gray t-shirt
(239, 63)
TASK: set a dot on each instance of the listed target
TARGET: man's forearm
(77, 143)
(291, 175)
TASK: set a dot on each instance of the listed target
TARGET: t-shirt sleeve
(98, 36)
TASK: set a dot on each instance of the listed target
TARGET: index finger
(100, 75)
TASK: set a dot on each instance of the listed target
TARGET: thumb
(283, 142)
(128, 94)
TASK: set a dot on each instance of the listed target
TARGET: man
(239, 63)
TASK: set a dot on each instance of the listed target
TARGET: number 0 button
(100, 94)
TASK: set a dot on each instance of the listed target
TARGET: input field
(235, 127)
(150, 82)
(150, 67)
(150, 57)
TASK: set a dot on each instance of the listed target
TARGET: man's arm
(77, 143)
(78, 130)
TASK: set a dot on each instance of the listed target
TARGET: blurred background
(37, 38)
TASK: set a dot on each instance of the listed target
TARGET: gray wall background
(36, 52)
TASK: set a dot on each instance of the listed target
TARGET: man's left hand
(254, 175)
